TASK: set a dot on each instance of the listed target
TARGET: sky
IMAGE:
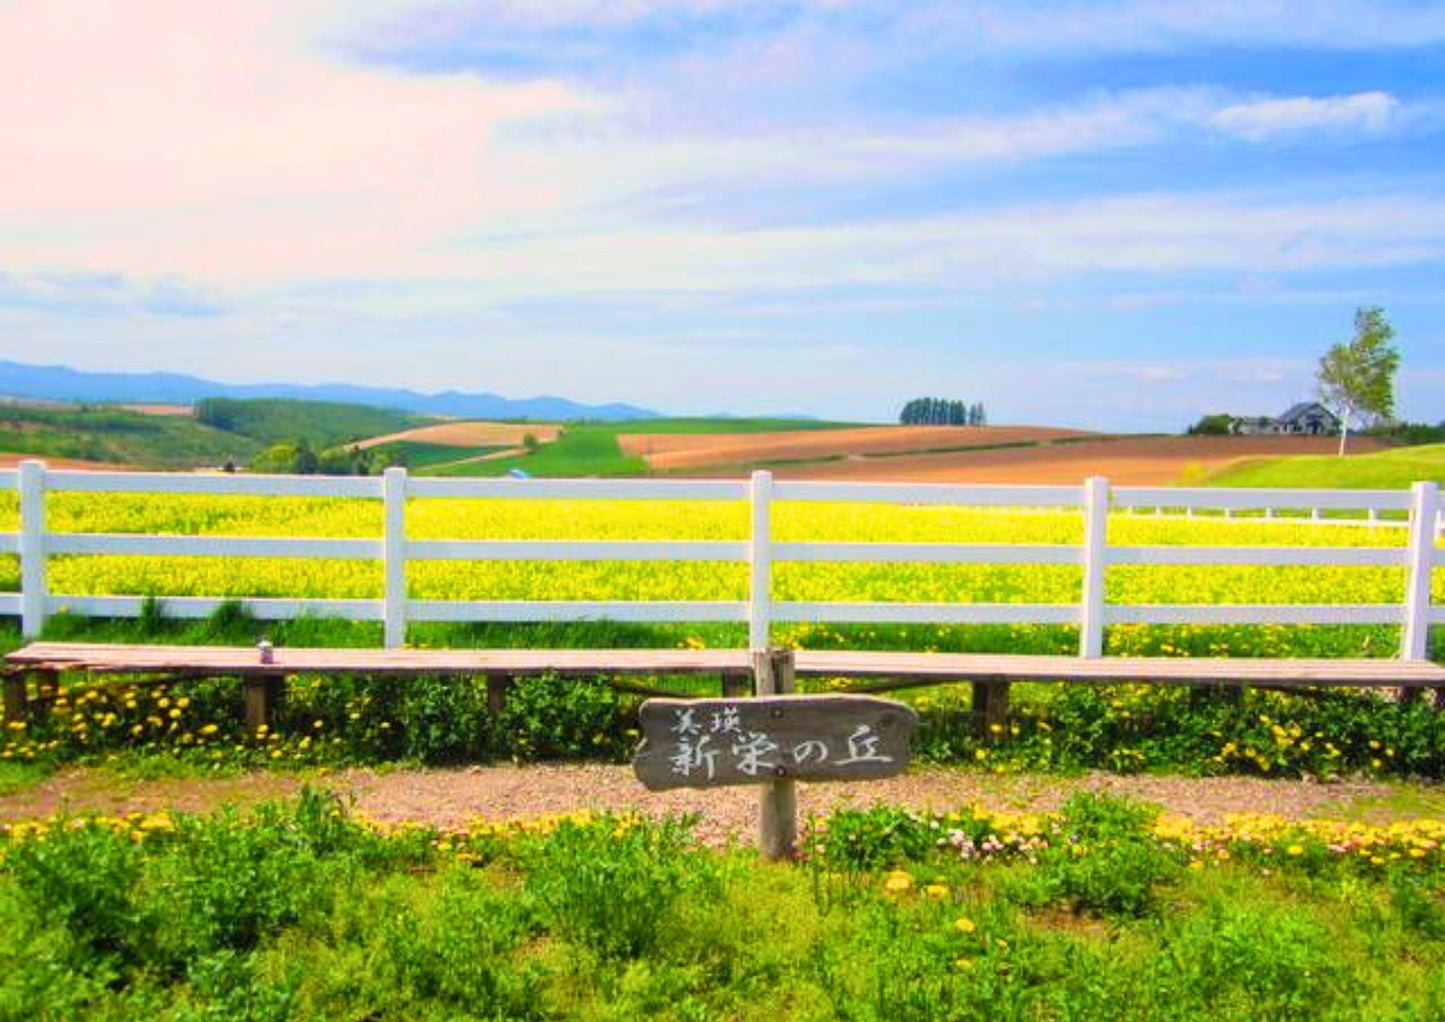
(1113, 216)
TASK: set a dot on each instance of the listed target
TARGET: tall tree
(1357, 379)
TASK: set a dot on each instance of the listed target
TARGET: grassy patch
(19, 777)
(94, 433)
(298, 910)
(1386, 470)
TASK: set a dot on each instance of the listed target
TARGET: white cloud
(173, 137)
(1155, 374)
(1263, 119)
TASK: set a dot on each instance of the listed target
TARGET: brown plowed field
(1127, 461)
(11, 460)
(685, 451)
(470, 434)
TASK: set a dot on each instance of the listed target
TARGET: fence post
(774, 670)
(393, 489)
(760, 557)
(34, 591)
(1096, 538)
(1414, 641)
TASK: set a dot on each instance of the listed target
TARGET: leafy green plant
(611, 884)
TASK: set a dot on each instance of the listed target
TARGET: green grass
(591, 449)
(118, 436)
(1388, 470)
(296, 910)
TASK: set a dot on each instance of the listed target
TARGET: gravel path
(446, 797)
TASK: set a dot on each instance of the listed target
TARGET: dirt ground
(1124, 461)
(454, 796)
(470, 434)
(8, 460)
(685, 451)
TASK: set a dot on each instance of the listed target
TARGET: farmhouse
(1307, 418)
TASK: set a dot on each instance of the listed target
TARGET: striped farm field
(690, 451)
(1125, 460)
(469, 434)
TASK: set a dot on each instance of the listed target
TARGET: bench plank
(942, 667)
(923, 667)
(245, 660)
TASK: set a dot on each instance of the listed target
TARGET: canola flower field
(615, 520)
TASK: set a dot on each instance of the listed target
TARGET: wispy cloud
(1266, 118)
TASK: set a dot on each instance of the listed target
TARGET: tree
(1357, 380)
(1218, 424)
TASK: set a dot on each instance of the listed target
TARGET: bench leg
(990, 710)
(735, 684)
(497, 686)
(47, 687)
(263, 699)
(15, 698)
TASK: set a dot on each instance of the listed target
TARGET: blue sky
(1116, 216)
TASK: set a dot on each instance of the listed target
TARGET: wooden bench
(989, 674)
(42, 663)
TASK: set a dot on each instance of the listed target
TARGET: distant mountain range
(62, 383)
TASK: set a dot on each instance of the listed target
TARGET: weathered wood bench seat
(46, 660)
(990, 674)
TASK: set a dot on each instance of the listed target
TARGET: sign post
(772, 741)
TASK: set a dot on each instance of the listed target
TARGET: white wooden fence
(34, 544)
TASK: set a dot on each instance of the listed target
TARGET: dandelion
(964, 925)
(897, 882)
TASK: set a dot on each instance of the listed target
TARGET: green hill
(322, 424)
(119, 436)
(1383, 470)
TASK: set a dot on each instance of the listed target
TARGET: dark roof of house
(1298, 411)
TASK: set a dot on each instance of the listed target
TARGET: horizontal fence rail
(1418, 509)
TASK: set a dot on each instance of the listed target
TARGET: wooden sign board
(708, 743)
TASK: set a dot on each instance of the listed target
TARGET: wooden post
(34, 590)
(1095, 552)
(497, 685)
(15, 698)
(990, 710)
(760, 557)
(47, 687)
(1414, 640)
(263, 699)
(393, 489)
(778, 816)
(1415, 636)
(735, 684)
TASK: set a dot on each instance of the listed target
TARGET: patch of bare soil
(452, 797)
(10, 460)
(1124, 461)
(685, 451)
(471, 434)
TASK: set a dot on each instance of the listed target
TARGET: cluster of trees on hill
(939, 411)
(298, 457)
